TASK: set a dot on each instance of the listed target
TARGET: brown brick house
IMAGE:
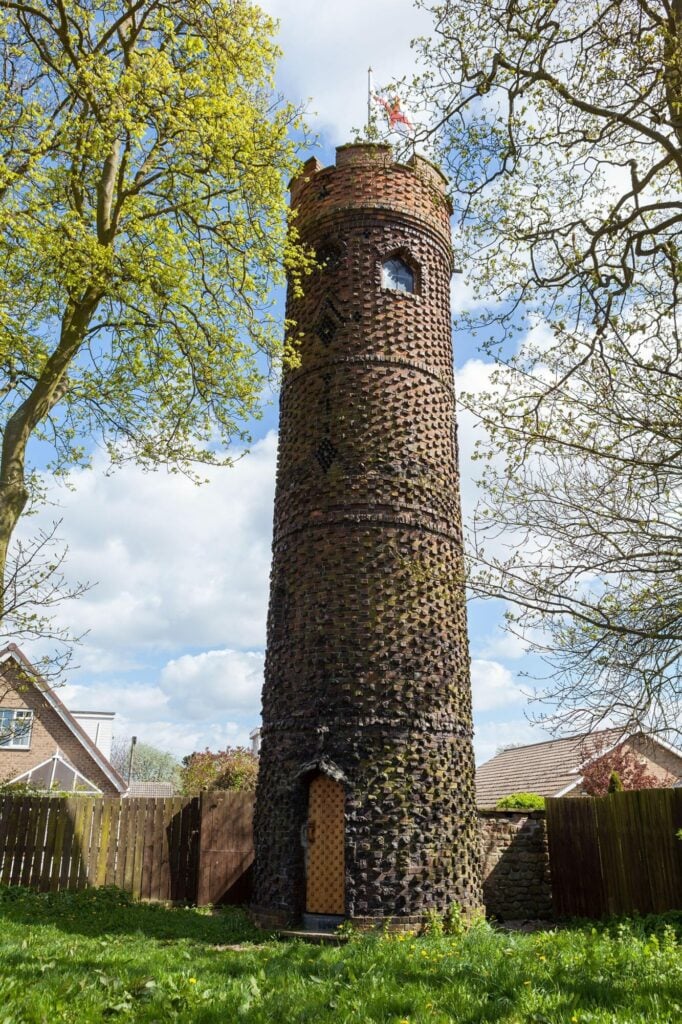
(554, 767)
(42, 742)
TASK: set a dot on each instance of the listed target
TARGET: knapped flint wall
(367, 668)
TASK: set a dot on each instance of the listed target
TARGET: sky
(176, 615)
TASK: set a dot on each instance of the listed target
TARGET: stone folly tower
(365, 805)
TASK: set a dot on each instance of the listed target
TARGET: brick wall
(367, 667)
(48, 733)
(515, 862)
(663, 764)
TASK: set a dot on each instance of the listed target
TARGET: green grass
(94, 956)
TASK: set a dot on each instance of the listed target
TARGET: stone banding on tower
(366, 756)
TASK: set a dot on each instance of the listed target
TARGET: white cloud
(503, 644)
(143, 703)
(93, 660)
(473, 377)
(493, 686)
(328, 48)
(175, 565)
(215, 683)
(540, 337)
(462, 297)
(210, 700)
(180, 738)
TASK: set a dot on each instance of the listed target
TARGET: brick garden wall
(515, 865)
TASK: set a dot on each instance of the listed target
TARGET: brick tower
(365, 804)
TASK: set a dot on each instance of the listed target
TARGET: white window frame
(397, 287)
(8, 742)
(27, 776)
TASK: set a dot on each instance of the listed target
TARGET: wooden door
(325, 836)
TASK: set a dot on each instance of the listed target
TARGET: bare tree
(148, 764)
(560, 123)
(34, 589)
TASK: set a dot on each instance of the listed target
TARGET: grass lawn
(95, 956)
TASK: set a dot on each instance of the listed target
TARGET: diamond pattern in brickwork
(326, 329)
(325, 453)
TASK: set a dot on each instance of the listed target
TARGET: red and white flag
(398, 121)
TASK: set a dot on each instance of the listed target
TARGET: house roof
(14, 653)
(151, 789)
(550, 768)
(94, 714)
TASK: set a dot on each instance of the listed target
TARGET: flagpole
(369, 101)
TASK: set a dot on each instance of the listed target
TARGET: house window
(397, 276)
(15, 728)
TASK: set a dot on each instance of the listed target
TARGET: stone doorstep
(330, 938)
(321, 922)
(319, 929)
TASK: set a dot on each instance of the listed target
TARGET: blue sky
(176, 619)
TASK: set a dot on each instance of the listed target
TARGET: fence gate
(617, 854)
(226, 847)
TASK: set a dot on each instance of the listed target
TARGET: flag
(398, 121)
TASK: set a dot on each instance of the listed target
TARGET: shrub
(615, 784)
(521, 802)
(232, 768)
(8, 788)
(454, 922)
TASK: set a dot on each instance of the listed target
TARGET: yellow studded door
(325, 835)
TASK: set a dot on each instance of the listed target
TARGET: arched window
(397, 276)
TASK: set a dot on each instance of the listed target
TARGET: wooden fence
(613, 855)
(617, 854)
(194, 849)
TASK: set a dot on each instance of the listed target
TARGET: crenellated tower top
(366, 177)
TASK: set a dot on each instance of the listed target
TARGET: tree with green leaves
(149, 763)
(143, 168)
(560, 123)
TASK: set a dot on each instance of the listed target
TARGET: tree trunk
(47, 392)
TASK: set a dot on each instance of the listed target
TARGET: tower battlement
(366, 177)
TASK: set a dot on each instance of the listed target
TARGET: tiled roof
(151, 789)
(546, 768)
